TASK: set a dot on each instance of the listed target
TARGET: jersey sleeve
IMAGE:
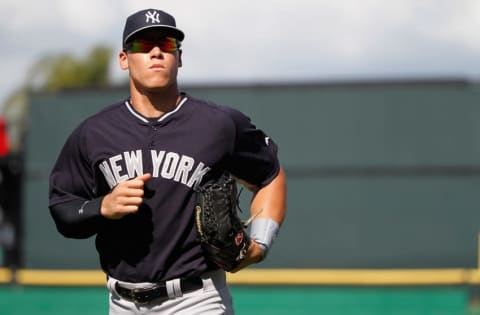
(73, 203)
(254, 156)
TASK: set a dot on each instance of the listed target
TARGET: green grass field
(258, 300)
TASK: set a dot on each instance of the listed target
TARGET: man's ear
(179, 58)
(123, 60)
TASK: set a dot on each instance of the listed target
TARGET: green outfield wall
(380, 174)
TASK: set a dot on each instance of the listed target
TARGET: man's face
(153, 59)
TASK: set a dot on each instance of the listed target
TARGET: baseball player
(128, 175)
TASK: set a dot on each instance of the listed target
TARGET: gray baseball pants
(214, 298)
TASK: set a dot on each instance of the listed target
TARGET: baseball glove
(222, 233)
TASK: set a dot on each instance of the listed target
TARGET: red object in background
(4, 144)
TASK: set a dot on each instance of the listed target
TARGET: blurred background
(374, 106)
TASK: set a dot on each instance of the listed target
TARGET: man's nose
(156, 51)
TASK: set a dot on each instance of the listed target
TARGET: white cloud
(459, 25)
(87, 20)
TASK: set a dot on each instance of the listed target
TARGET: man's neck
(153, 105)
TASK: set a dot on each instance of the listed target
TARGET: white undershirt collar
(163, 117)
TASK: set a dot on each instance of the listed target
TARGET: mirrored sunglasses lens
(167, 44)
(138, 46)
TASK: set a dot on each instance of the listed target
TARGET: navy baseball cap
(151, 18)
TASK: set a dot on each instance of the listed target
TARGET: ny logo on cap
(153, 17)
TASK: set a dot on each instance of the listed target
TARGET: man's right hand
(125, 198)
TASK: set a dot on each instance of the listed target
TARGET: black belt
(142, 295)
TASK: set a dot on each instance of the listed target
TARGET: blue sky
(257, 41)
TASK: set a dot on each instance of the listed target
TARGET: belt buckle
(140, 296)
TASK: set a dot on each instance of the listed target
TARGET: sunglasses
(166, 44)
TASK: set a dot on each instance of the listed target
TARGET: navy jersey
(192, 143)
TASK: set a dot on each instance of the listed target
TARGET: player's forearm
(78, 218)
(271, 199)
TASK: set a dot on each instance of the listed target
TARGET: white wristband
(264, 231)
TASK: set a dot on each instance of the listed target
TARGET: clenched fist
(125, 198)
